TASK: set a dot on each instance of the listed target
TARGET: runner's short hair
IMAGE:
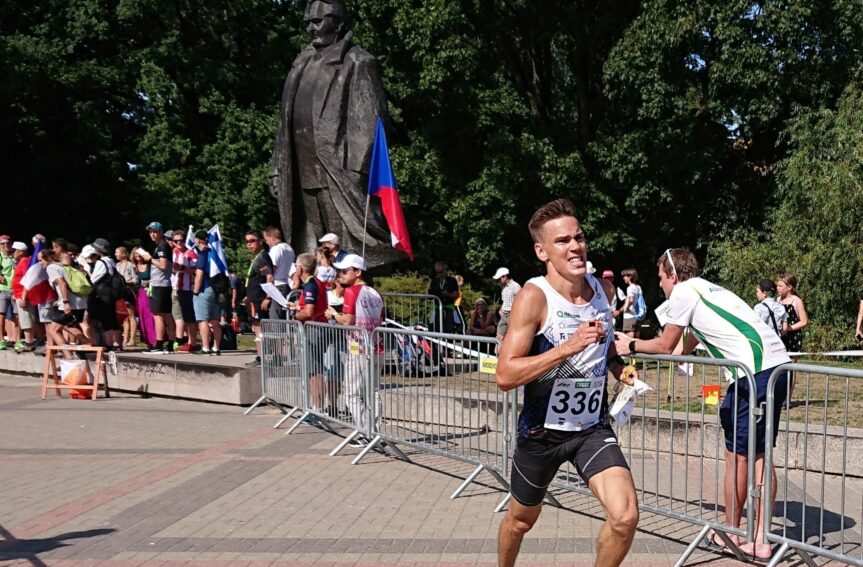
(683, 263)
(550, 211)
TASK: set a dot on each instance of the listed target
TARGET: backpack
(640, 308)
(115, 283)
(220, 283)
(78, 282)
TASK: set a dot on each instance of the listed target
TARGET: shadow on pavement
(29, 549)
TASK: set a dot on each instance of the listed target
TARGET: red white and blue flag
(382, 183)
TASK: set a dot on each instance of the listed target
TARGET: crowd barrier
(412, 309)
(436, 393)
(815, 440)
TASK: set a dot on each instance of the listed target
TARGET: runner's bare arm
(514, 366)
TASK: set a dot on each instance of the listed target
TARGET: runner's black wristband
(632, 346)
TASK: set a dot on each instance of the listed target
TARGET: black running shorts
(537, 458)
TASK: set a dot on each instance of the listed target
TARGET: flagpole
(365, 222)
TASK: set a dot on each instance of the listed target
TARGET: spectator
(706, 308)
(283, 257)
(237, 294)
(482, 320)
(28, 315)
(363, 307)
(207, 311)
(510, 290)
(127, 269)
(858, 330)
(260, 272)
(331, 243)
(102, 302)
(182, 305)
(445, 288)
(798, 319)
(630, 305)
(65, 317)
(161, 266)
(146, 323)
(768, 309)
(8, 307)
(312, 306)
(620, 298)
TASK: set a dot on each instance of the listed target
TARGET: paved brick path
(130, 481)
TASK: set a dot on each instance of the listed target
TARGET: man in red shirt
(312, 306)
(27, 314)
(364, 308)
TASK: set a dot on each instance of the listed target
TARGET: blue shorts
(739, 391)
(206, 306)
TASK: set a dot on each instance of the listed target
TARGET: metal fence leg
(399, 452)
(303, 418)
(366, 449)
(499, 478)
(254, 405)
(553, 501)
(284, 418)
(692, 546)
(503, 503)
(344, 442)
(466, 482)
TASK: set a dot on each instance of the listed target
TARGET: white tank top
(571, 396)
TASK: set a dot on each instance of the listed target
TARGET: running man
(728, 328)
(559, 347)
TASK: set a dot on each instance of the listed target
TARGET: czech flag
(382, 183)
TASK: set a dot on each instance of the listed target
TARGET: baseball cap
(351, 261)
(767, 285)
(19, 246)
(5, 238)
(169, 234)
(501, 272)
(329, 237)
(157, 226)
(87, 251)
(607, 275)
(101, 245)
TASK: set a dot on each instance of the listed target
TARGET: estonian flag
(382, 183)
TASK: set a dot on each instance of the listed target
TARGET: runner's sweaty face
(563, 247)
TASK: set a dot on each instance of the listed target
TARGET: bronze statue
(319, 170)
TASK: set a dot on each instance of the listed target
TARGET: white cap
(351, 261)
(589, 267)
(19, 246)
(501, 272)
(87, 251)
(329, 237)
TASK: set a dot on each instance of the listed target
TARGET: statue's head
(326, 21)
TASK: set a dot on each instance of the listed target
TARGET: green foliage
(814, 230)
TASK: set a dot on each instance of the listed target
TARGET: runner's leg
(615, 490)
(518, 521)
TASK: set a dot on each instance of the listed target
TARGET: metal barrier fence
(438, 394)
(282, 363)
(412, 309)
(818, 444)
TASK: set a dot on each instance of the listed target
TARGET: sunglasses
(671, 261)
(179, 240)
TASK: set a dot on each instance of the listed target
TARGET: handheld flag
(34, 258)
(218, 260)
(382, 183)
(190, 238)
(35, 279)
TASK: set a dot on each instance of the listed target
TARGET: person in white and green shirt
(8, 308)
(729, 329)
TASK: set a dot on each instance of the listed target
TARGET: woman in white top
(633, 292)
(128, 271)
